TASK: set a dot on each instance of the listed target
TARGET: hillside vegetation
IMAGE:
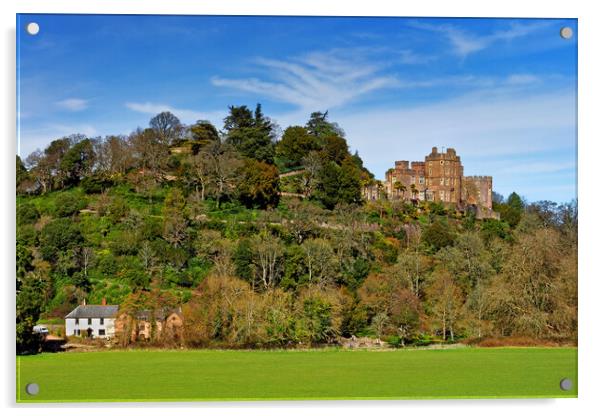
(190, 216)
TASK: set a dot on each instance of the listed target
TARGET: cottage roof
(94, 311)
(159, 314)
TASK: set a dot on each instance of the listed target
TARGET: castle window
(421, 180)
(447, 181)
(442, 181)
(441, 162)
(430, 172)
(413, 179)
(442, 195)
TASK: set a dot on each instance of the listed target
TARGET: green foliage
(295, 144)
(96, 184)
(27, 213)
(203, 133)
(438, 235)
(258, 185)
(57, 236)
(77, 162)
(255, 269)
(69, 204)
(316, 323)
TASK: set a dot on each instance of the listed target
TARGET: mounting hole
(33, 28)
(32, 389)
(566, 32)
(566, 384)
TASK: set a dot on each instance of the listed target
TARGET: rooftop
(94, 311)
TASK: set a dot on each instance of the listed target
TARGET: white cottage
(93, 321)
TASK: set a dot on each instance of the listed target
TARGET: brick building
(439, 178)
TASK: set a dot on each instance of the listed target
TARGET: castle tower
(444, 172)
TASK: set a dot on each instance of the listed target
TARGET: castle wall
(477, 190)
(439, 178)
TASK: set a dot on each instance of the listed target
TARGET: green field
(279, 375)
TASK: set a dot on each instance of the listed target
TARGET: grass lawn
(315, 374)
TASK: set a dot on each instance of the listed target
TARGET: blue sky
(502, 92)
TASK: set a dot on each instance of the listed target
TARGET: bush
(96, 184)
(27, 213)
(68, 204)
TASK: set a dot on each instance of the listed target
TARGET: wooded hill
(192, 216)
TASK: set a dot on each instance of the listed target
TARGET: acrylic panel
(295, 208)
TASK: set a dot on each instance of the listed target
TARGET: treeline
(192, 216)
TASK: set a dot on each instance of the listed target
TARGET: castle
(439, 178)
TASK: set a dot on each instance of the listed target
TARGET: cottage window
(102, 321)
(101, 332)
(89, 321)
(76, 321)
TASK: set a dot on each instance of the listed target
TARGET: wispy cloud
(316, 80)
(185, 115)
(73, 104)
(465, 43)
(409, 57)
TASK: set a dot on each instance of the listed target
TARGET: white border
(590, 158)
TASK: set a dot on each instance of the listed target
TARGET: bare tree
(267, 254)
(319, 260)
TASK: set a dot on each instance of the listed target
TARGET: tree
(378, 324)
(413, 270)
(319, 126)
(319, 261)
(312, 165)
(350, 191)
(203, 133)
(296, 143)
(446, 301)
(21, 172)
(58, 235)
(259, 185)
(225, 168)
(175, 223)
(167, 127)
(400, 188)
(78, 162)
(267, 255)
(438, 235)
(512, 211)
(335, 149)
(200, 172)
(251, 135)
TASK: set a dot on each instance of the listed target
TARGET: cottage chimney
(84, 302)
(103, 302)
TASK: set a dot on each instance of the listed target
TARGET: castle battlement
(479, 177)
(440, 177)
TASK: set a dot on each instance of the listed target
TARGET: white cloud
(73, 104)
(409, 57)
(522, 79)
(185, 115)
(316, 80)
(465, 43)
